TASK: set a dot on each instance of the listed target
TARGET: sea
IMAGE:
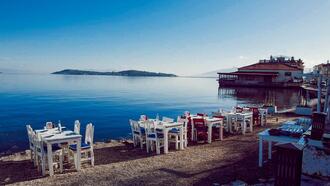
(110, 101)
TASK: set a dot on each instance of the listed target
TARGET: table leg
(181, 138)
(251, 124)
(260, 151)
(229, 120)
(78, 154)
(243, 126)
(270, 150)
(221, 132)
(165, 140)
(192, 131)
(50, 159)
(209, 132)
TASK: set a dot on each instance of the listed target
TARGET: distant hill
(119, 73)
(215, 72)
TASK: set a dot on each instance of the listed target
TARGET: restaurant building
(275, 72)
(323, 69)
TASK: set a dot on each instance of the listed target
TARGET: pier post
(319, 91)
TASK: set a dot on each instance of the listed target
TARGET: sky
(185, 37)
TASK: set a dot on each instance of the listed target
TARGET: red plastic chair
(202, 114)
(200, 129)
(255, 116)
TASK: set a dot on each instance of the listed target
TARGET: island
(119, 73)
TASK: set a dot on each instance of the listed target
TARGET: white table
(166, 128)
(265, 136)
(53, 136)
(263, 114)
(210, 122)
(245, 116)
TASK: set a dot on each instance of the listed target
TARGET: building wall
(324, 69)
(282, 77)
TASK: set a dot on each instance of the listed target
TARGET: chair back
(255, 111)
(37, 142)
(201, 114)
(239, 109)
(219, 117)
(77, 127)
(150, 128)
(198, 122)
(143, 118)
(239, 117)
(184, 121)
(186, 113)
(49, 125)
(168, 120)
(29, 132)
(135, 127)
(89, 134)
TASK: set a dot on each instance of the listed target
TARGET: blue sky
(185, 37)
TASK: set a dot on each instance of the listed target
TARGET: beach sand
(119, 163)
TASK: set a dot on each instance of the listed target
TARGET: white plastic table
(166, 126)
(249, 116)
(265, 136)
(53, 136)
(263, 113)
(210, 123)
(246, 115)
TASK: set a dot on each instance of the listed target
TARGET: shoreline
(118, 162)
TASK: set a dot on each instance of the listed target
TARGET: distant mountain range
(214, 73)
(119, 73)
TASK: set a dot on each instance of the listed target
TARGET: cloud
(242, 57)
(5, 58)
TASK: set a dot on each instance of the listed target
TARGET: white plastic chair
(138, 133)
(143, 118)
(87, 152)
(153, 136)
(174, 134)
(77, 127)
(49, 125)
(31, 144)
(242, 124)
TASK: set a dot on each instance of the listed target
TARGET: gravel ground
(118, 163)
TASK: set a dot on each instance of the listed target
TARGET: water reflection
(282, 98)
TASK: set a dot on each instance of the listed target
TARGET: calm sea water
(108, 102)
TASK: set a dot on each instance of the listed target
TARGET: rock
(7, 179)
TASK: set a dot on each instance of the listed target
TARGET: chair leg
(141, 143)
(243, 127)
(75, 155)
(134, 141)
(176, 142)
(61, 161)
(147, 146)
(157, 147)
(152, 146)
(92, 158)
(43, 165)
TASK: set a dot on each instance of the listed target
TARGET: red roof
(269, 66)
(251, 73)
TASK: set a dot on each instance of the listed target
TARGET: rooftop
(269, 66)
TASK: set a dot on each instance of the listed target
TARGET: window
(287, 73)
